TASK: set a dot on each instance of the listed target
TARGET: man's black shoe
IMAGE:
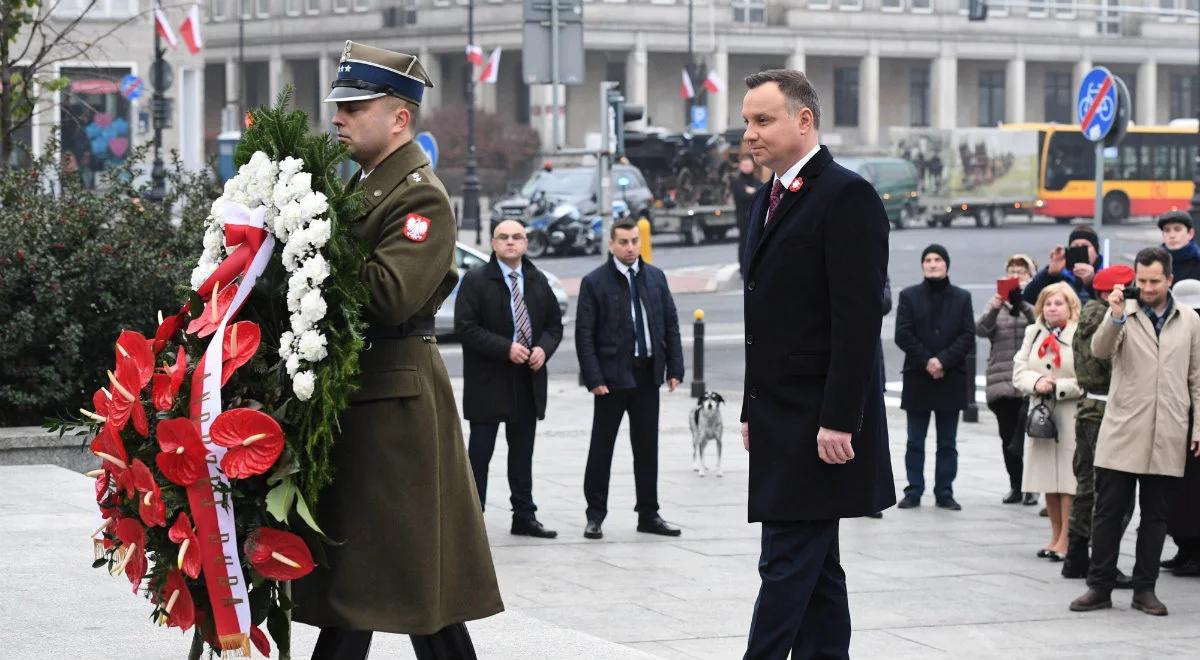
(657, 525)
(949, 504)
(1147, 602)
(1031, 499)
(1013, 497)
(877, 515)
(532, 528)
(1189, 568)
(909, 502)
(592, 531)
(1123, 581)
(1171, 563)
(1091, 600)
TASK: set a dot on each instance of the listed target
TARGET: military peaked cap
(366, 72)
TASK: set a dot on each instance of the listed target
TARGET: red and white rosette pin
(416, 227)
(796, 184)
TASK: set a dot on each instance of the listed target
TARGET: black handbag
(1040, 422)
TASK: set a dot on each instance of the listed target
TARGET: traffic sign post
(1096, 107)
(429, 145)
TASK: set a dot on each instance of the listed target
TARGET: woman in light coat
(1044, 369)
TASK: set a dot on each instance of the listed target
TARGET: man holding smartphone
(1076, 264)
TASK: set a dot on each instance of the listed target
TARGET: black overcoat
(604, 327)
(483, 321)
(933, 324)
(813, 311)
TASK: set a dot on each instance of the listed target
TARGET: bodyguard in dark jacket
(935, 327)
(509, 323)
(627, 339)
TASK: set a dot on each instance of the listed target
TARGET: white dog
(705, 423)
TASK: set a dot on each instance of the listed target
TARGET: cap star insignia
(345, 68)
(416, 177)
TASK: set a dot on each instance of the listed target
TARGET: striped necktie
(520, 314)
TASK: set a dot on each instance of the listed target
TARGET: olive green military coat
(414, 556)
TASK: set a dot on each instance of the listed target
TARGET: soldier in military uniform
(413, 555)
(1093, 374)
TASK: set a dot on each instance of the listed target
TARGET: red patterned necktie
(521, 314)
(776, 195)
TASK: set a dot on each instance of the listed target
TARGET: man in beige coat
(1155, 353)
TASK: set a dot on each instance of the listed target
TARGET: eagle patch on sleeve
(416, 227)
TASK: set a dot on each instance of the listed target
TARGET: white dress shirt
(632, 312)
(793, 172)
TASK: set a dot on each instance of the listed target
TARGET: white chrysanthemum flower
(311, 346)
(303, 385)
(300, 183)
(315, 269)
(312, 307)
(313, 204)
(318, 232)
(297, 289)
(290, 165)
(293, 364)
(285, 344)
(290, 219)
(202, 271)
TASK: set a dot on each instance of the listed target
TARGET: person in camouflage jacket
(1093, 375)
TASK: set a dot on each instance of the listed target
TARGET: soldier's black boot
(341, 644)
(450, 643)
(1076, 563)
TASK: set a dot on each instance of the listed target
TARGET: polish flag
(713, 82)
(190, 30)
(164, 28)
(492, 70)
(474, 55)
(687, 91)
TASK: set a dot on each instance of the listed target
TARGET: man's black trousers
(641, 402)
(802, 608)
(519, 429)
(1114, 489)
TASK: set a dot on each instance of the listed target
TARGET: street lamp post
(158, 190)
(470, 189)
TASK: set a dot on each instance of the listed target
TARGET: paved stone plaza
(924, 583)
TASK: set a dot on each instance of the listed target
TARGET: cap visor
(341, 94)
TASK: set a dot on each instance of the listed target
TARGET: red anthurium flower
(108, 446)
(206, 324)
(125, 401)
(166, 384)
(167, 329)
(253, 439)
(278, 555)
(134, 347)
(102, 484)
(176, 602)
(150, 504)
(183, 458)
(241, 342)
(259, 639)
(189, 548)
(133, 547)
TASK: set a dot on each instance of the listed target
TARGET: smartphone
(1077, 254)
(1006, 286)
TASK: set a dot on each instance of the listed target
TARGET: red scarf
(1050, 344)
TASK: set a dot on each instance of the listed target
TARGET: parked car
(468, 258)
(546, 188)
(895, 179)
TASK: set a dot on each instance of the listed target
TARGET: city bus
(1149, 173)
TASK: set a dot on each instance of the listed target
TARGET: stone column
(1081, 68)
(1014, 90)
(796, 60)
(718, 104)
(326, 72)
(1146, 112)
(275, 74)
(944, 90)
(431, 63)
(229, 117)
(868, 97)
(637, 86)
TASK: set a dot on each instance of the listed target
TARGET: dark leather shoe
(1147, 602)
(657, 525)
(1189, 568)
(877, 515)
(1044, 513)
(949, 504)
(909, 502)
(1031, 499)
(1171, 563)
(1091, 600)
(592, 531)
(1013, 497)
(532, 528)
(1123, 581)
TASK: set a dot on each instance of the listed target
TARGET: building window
(1108, 23)
(892, 5)
(850, 5)
(291, 7)
(262, 8)
(1059, 100)
(918, 96)
(994, 9)
(1037, 8)
(102, 9)
(749, 12)
(341, 6)
(820, 4)
(921, 6)
(845, 96)
(95, 126)
(362, 5)
(991, 98)
(1185, 95)
(1064, 9)
(312, 6)
(216, 10)
(403, 15)
(1194, 7)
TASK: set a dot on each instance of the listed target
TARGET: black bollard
(698, 387)
(971, 412)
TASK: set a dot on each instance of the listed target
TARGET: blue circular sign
(1096, 103)
(429, 145)
(131, 87)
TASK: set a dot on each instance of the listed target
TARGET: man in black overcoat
(627, 340)
(509, 323)
(812, 412)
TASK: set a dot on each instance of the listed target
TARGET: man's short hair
(1151, 255)
(624, 223)
(795, 86)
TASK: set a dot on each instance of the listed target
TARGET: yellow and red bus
(1150, 172)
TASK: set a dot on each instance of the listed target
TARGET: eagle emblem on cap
(346, 49)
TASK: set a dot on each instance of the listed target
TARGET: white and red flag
(474, 55)
(163, 27)
(492, 69)
(686, 91)
(190, 30)
(713, 82)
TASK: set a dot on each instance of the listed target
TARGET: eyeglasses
(505, 237)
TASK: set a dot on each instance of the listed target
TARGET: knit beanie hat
(934, 248)
(1086, 233)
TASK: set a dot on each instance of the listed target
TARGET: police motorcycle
(561, 228)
